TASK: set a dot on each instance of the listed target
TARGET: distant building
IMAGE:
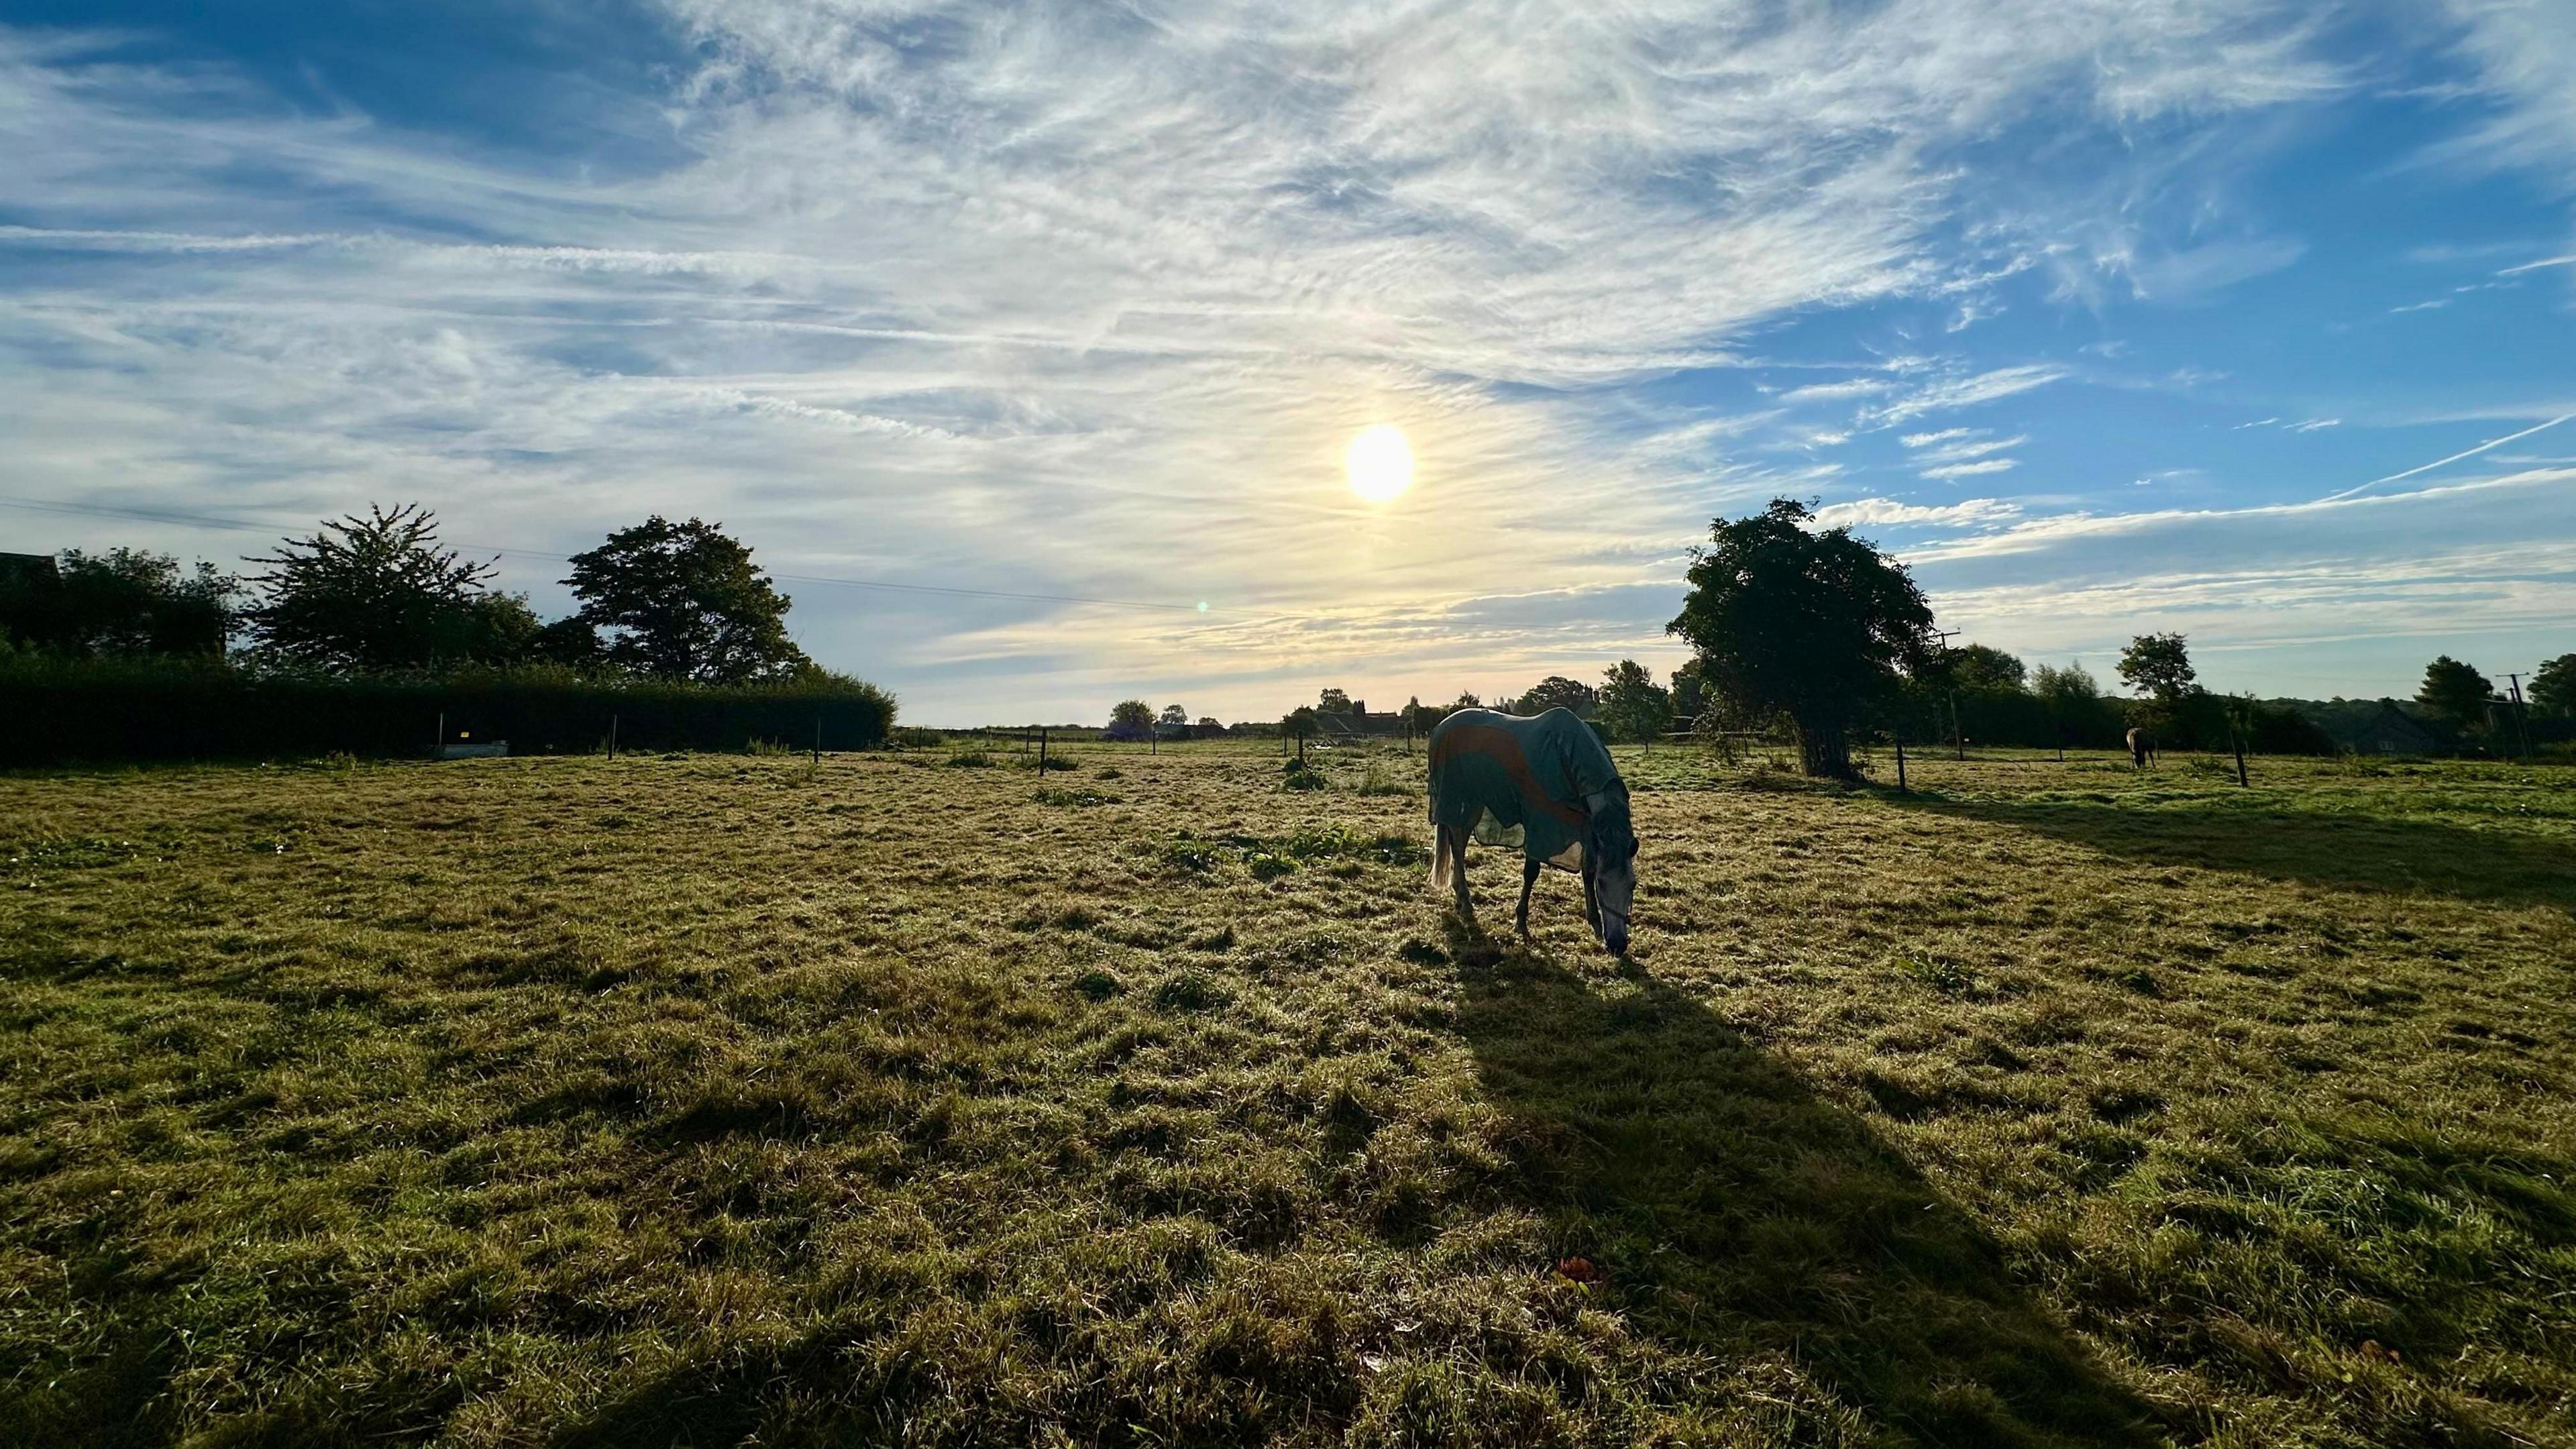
(2393, 731)
(28, 571)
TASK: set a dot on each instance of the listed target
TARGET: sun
(1380, 463)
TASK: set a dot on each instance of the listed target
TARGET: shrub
(55, 711)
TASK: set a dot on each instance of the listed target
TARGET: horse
(2142, 748)
(1549, 778)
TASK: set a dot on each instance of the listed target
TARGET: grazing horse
(2142, 748)
(1551, 779)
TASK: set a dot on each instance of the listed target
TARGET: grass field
(906, 1100)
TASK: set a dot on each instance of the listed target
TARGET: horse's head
(1611, 856)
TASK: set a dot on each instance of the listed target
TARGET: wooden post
(1041, 754)
(818, 735)
(1900, 764)
(1956, 734)
(2238, 738)
(438, 750)
(612, 736)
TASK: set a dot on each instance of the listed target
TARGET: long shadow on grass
(2348, 852)
(1738, 1213)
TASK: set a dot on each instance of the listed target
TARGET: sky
(2246, 320)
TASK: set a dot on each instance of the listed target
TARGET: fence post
(438, 747)
(1900, 764)
(612, 736)
(818, 734)
(1041, 754)
(2238, 739)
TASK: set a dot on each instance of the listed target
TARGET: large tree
(1333, 701)
(2159, 665)
(2454, 692)
(685, 601)
(1632, 705)
(379, 593)
(1814, 624)
(2553, 689)
(1557, 692)
(125, 601)
(1980, 666)
(1131, 719)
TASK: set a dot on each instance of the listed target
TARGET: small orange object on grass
(1579, 1270)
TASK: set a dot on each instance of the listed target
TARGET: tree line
(379, 594)
(371, 635)
(1816, 636)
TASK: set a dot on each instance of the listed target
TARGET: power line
(198, 520)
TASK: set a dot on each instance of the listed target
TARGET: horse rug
(1514, 780)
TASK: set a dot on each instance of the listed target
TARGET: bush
(55, 711)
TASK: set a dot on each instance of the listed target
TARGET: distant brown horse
(2142, 748)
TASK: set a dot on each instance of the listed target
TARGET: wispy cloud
(1970, 470)
(1961, 392)
(1970, 513)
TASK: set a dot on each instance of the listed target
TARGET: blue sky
(2108, 317)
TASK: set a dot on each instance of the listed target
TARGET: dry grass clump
(716, 1099)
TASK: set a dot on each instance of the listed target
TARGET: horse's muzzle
(1614, 934)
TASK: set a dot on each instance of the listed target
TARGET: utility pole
(1957, 738)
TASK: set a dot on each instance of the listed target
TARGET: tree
(125, 601)
(570, 642)
(1299, 723)
(1334, 701)
(1466, 700)
(684, 601)
(2068, 691)
(1632, 706)
(2553, 689)
(2160, 666)
(376, 594)
(1557, 691)
(1690, 692)
(1131, 719)
(1976, 666)
(2455, 692)
(1173, 714)
(1810, 624)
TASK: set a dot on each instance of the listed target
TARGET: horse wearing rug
(1550, 780)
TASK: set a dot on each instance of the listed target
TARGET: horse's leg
(1529, 882)
(1591, 897)
(1454, 840)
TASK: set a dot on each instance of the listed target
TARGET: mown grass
(711, 1099)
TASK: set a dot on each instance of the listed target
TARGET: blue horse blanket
(1500, 775)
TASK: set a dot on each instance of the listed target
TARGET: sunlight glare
(1380, 463)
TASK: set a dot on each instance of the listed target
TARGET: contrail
(2455, 457)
